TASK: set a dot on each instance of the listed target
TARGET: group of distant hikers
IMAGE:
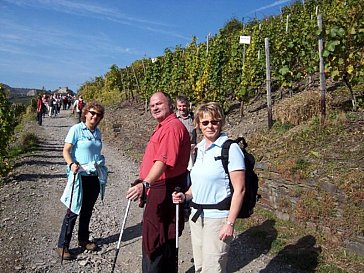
(177, 175)
(51, 105)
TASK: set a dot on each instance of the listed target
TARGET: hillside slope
(309, 174)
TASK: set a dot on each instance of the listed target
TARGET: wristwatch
(230, 223)
(70, 165)
(146, 184)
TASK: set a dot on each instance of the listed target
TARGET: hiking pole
(121, 235)
(177, 189)
(68, 216)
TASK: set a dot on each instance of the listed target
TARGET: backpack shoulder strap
(194, 155)
(225, 154)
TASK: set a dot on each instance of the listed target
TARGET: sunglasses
(93, 113)
(213, 122)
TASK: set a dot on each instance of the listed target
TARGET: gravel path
(31, 216)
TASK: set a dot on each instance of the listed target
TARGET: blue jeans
(90, 191)
(54, 110)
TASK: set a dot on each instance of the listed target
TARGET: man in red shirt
(163, 168)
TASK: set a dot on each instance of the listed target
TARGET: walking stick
(177, 189)
(68, 216)
(121, 235)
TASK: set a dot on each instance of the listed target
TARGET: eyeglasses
(93, 113)
(213, 122)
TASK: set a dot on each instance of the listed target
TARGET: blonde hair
(213, 109)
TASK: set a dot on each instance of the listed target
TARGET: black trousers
(39, 117)
(90, 191)
(162, 260)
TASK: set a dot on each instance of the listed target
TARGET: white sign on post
(244, 40)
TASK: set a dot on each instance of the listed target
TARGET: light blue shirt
(210, 183)
(87, 145)
(86, 150)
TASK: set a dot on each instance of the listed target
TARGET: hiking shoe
(66, 255)
(88, 245)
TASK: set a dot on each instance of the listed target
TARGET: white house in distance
(32, 93)
(63, 91)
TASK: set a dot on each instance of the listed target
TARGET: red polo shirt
(169, 143)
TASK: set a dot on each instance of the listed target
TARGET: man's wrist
(146, 184)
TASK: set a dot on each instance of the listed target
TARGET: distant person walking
(69, 101)
(54, 105)
(64, 102)
(59, 103)
(163, 168)
(82, 153)
(45, 105)
(78, 106)
(40, 107)
(50, 105)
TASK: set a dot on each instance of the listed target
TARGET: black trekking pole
(121, 235)
(177, 189)
(68, 216)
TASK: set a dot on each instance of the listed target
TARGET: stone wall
(285, 195)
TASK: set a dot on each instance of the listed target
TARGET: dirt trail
(31, 215)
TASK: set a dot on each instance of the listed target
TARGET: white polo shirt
(210, 183)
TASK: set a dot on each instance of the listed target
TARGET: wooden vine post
(245, 40)
(322, 72)
(130, 90)
(269, 96)
(123, 86)
(136, 79)
(207, 43)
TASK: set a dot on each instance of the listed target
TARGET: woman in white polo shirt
(212, 229)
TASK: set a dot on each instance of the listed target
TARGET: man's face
(182, 108)
(159, 107)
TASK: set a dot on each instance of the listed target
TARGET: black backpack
(251, 195)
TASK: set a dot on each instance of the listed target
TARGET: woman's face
(210, 128)
(93, 117)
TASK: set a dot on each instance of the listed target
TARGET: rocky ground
(31, 212)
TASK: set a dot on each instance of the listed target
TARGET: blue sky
(54, 43)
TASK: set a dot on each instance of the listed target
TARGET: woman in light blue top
(212, 232)
(87, 176)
